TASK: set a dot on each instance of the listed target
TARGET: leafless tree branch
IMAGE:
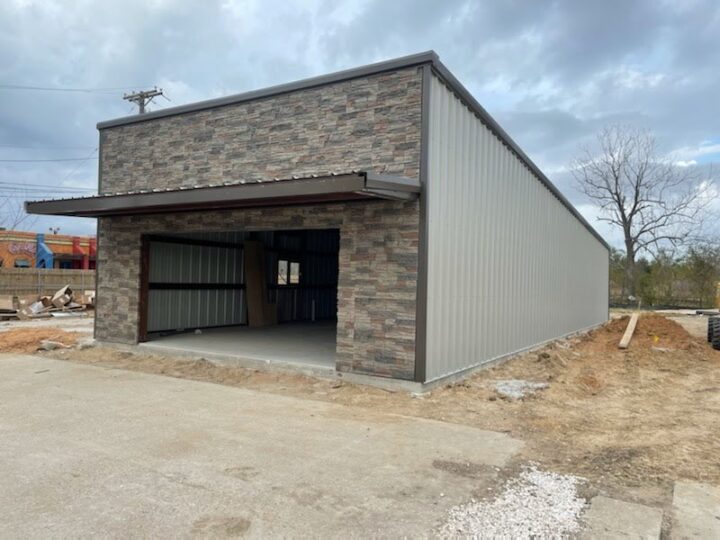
(13, 215)
(657, 204)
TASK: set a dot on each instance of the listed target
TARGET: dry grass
(27, 340)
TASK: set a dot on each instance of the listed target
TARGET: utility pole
(143, 98)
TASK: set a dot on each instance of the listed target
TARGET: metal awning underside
(278, 192)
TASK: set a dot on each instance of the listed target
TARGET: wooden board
(260, 311)
(7, 302)
(627, 336)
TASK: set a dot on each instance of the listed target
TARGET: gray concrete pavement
(696, 510)
(614, 519)
(90, 451)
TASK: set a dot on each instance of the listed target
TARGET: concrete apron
(326, 372)
(312, 370)
(96, 451)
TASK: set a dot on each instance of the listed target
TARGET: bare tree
(12, 213)
(656, 203)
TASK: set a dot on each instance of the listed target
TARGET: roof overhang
(356, 185)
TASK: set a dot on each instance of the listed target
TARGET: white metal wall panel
(509, 266)
(174, 309)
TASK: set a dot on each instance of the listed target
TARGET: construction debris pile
(64, 303)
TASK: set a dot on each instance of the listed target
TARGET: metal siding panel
(509, 266)
(184, 309)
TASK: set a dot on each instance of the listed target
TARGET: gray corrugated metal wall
(509, 266)
(176, 263)
(317, 251)
(173, 309)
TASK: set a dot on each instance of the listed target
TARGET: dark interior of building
(264, 294)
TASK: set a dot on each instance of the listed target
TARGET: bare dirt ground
(632, 422)
(27, 340)
(696, 325)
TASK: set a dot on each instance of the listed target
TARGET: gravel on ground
(536, 504)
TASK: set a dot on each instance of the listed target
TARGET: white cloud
(687, 156)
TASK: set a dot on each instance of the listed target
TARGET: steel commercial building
(375, 221)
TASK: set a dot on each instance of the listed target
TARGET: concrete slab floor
(89, 451)
(304, 343)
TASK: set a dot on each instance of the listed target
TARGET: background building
(21, 249)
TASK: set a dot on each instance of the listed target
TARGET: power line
(28, 147)
(25, 193)
(47, 189)
(37, 190)
(10, 183)
(43, 160)
(68, 89)
(76, 169)
(31, 196)
(42, 195)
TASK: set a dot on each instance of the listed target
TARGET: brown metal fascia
(389, 182)
(223, 196)
(271, 193)
(422, 268)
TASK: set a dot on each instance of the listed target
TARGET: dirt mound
(652, 331)
(27, 340)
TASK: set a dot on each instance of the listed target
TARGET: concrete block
(611, 518)
(696, 511)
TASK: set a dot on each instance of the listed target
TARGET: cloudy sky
(551, 72)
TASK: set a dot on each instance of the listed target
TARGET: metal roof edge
(464, 94)
(352, 185)
(417, 59)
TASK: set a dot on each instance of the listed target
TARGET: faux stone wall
(377, 273)
(371, 123)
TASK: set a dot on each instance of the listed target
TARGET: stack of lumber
(64, 302)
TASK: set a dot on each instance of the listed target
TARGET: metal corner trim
(422, 269)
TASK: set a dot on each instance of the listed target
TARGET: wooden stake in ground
(627, 336)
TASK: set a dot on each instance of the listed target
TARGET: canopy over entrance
(277, 192)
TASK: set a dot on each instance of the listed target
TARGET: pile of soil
(27, 340)
(651, 331)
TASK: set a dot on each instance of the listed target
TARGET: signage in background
(18, 248)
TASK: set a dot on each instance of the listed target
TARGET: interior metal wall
(509, 266)
(317, 252)
(177, 309)
(171, 309)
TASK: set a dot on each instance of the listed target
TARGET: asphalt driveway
(94, 451)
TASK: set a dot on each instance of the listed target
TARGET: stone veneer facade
(370, 123)
(376, 284)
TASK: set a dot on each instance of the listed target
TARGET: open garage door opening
(259, 295)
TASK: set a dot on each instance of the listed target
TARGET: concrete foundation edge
(384, 383)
